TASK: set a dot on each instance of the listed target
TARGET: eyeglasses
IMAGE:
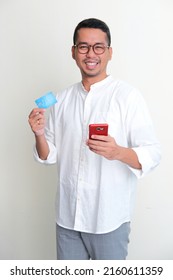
(98, 48)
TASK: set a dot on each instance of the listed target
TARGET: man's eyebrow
(88, 43)
(80, 42)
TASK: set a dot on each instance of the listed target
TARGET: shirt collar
(98, 84)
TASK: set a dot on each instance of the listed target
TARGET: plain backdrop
(35, 57)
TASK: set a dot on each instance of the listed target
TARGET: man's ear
(110, 53)
(73, 52)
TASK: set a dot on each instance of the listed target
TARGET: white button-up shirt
(95, 194)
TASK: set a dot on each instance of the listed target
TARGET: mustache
(86, 60)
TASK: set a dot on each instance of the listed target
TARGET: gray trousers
(74, 245)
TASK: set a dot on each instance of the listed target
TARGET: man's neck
(89, 81)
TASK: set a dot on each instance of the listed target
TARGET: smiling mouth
(91, 65)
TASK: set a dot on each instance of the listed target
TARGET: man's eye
(83, 47)
(99, 48)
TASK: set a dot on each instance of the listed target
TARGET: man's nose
(90, 51)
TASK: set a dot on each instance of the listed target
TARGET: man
(96, 177)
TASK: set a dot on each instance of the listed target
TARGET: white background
(35, 57)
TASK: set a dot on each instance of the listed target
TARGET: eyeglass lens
(85, 48)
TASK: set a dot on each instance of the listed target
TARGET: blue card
(46, 100)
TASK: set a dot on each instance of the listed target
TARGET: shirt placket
(79, 218)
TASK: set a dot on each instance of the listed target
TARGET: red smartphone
(98, 129)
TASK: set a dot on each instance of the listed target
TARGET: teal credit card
(46, 100)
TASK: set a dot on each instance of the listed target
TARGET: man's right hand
(37, 121)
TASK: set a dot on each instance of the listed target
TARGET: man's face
(90, 64)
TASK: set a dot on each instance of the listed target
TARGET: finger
(98, 148)
(37, 126)
(36, 118)
(101, 137)
(36, 111)
(97, 143)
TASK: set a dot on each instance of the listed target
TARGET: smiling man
(92, 53)
(97, 177)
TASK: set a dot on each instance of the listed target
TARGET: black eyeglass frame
(91, 46)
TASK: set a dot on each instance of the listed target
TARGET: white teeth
(91, 63)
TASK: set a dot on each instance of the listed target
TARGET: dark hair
(92, 23)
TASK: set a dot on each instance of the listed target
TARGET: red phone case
(98, 129)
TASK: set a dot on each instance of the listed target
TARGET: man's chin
(90, 74)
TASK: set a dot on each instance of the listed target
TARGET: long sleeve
(142, 138)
